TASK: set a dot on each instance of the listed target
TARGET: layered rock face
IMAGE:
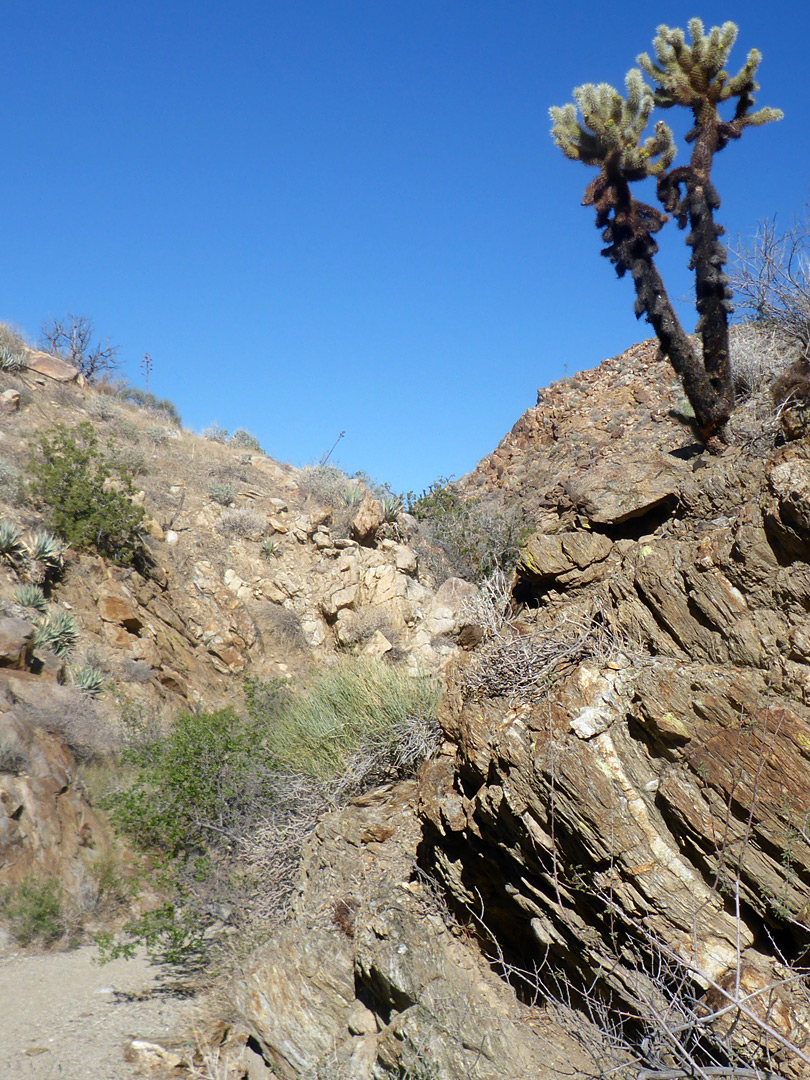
(619, 821)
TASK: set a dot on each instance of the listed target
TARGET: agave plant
(353, 495)
(58, 632)
(46, 555)
(391, 508)
(11, 361)
(269, 549)
(31, 596)
(89, 680)
(12, 548)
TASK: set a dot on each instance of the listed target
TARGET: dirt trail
(63, 1016)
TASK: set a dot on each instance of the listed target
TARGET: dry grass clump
(759, 355)
(518, 661)
(242, 521)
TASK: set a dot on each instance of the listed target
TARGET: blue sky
(347, 215)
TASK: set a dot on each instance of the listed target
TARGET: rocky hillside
(249, 567)
(606, 868)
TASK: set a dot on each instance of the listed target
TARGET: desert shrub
(101, 408)
(12, 484)
(214, 433)
(242, 521)
(126, 429)
(285, 628)
(87, 494)
(158, 435)
(476, 536)
(146, 400)
(759, 355)
(329, 486)
(34, 911)
(246, 441)
(12, 338)
(224, 493)
(129, 459)
(770, 278)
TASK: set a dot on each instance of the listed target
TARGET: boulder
(16, 642)
(611, 492)
(368, 520)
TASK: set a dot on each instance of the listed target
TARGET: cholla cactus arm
(611, 129)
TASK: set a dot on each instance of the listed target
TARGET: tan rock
(50, 366)
(16, 642)
(368, 520)
(9, 402)
(377, 645)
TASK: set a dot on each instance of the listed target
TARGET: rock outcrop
(618, 821)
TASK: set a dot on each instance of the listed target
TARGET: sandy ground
(64, 1016)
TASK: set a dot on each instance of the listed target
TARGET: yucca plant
(12, 548)
(89, 680)
(58, 632)
(31, 596)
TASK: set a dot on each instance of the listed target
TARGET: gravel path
(63, 1016)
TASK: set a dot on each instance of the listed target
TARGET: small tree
(88, 494)
(71, 339)
(609, 136)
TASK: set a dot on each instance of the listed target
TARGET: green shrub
(135, 396)
(225, 803)
(87, 493)
(245, 440)
(35, 911)
(224, 494)
(201, 778)
(476, 536)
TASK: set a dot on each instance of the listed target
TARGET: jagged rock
(566, 559)
(612, 492)
(368, 520)
(16, 642)
(377, 645)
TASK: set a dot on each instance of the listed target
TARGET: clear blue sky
(327, 215)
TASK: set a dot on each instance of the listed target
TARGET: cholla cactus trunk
(631, 247)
